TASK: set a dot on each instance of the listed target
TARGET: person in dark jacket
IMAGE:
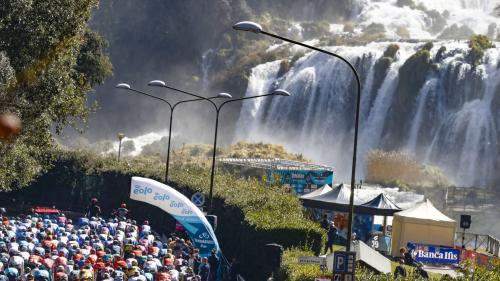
(213, 261)
(234, 270)
(325, 223)
(408, 258)
(331, 234)
(93, 210)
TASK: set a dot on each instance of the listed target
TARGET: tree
(49, 61)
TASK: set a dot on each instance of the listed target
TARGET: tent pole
(384, 226)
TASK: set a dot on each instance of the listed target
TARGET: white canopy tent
(422, 224)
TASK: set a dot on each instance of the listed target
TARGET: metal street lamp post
(172, 108)
(279, 92)
(256, 28)
(120, 138)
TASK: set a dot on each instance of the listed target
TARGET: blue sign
(344, 262)
(303, 181)
(434, 254)
(198, 199)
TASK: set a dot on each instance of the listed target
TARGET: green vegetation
(260, 150)
(198, 153)
(382, 66)
(478, 44)
(49, 61)
(293, 271)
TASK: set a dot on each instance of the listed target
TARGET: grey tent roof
(380, 206)
(324, 189)
(338, 200)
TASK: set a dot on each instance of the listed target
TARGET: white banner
(180, 207)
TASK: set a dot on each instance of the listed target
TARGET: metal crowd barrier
(478, 242)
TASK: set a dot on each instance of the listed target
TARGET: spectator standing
(325, 223)
(234, 270)
(213, 261)
(93, 210)
(331, 234)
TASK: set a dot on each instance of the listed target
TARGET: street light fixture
(172, 108)
(257, 28)
(278, 92)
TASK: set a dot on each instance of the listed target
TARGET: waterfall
(426, 90)
(206, 64)
(451, 122)
(449, 119)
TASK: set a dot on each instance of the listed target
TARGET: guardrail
(482, 242)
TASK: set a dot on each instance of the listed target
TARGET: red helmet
(61, 261)
(123, 205)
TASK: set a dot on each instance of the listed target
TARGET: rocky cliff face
(181, 42)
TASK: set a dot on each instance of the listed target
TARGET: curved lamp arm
(278, 92)
(127, 87)
(159, 83)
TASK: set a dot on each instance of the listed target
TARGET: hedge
(250, 213)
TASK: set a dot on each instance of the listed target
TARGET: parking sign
(344, 265)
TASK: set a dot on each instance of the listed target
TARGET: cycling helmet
(11, 273)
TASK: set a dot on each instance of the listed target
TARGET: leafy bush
(478, 44)
(293, 271)
(391, 51)
(382, 65)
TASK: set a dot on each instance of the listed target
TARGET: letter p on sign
(340, 262)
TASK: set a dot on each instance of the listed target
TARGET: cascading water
(426, 19)
(318, 119)
(449, 120)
